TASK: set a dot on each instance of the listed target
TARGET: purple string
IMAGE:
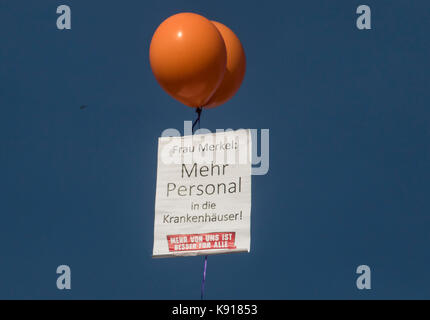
(204, 277)
(199, 112)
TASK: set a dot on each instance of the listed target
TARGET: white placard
(203, 195)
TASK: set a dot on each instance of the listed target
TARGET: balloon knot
(199, 112)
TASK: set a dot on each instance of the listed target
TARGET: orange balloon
(236, 66)
(188, 58)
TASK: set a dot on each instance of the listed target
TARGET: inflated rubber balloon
(188, 58)
(236, 66)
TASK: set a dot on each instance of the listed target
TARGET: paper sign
(203, 195)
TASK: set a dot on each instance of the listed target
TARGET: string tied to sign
(204, 277)
(197, 121)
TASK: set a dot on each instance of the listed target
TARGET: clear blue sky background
(348, 113)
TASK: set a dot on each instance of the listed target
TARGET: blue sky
(349, 174)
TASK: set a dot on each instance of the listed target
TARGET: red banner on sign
(202, 241)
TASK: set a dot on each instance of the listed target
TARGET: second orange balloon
(235, 70)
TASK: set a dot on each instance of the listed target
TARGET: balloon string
(204, 277)
(199, 112)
